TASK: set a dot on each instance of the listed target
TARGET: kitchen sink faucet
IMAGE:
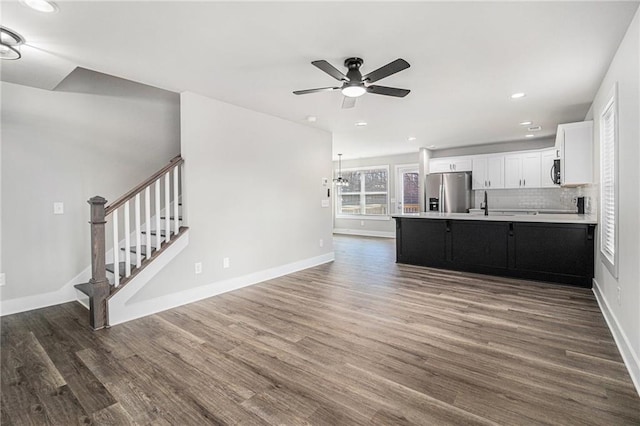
(485, 205)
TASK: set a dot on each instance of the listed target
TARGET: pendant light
(340, 181)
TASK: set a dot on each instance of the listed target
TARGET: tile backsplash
(539, 198)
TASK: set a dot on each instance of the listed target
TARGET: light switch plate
(324, 203)
(58, 207)
(325, 181)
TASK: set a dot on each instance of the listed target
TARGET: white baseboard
(630, 358)
(66, 293)
(147, 307)
(364, 232)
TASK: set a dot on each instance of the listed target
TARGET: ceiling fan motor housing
(354, 75)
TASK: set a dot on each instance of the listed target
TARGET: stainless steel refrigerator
(448, 192)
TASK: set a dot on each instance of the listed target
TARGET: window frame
(610, 260)
(362, 193)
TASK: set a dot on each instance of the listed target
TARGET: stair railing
(162, 191)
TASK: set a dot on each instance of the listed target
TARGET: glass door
(407, 189)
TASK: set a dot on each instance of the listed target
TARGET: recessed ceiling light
(361, 123)
(312, 118)
(518, 95)
(43, 6)
(526, 123)
(528, 136)
(411, 138)
(431, 147)
(534, 129)
(10, 43)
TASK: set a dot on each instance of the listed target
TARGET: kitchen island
(556, 248)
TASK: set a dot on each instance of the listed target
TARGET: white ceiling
(466, 59)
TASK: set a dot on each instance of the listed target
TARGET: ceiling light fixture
(354, 91)
(518, 95)
(361, 123)
(526, 123)
(340, 181)
(312, 118)
(10, 43)
(44, 6)
(431, 147)
(534, 128)
(528, 136)
(411, 138)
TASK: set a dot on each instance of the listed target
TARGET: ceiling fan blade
(348, 102)
(330, 69)
(388, 91)
(387, 70)
(323, 89)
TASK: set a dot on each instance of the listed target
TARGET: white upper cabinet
(452, 164)
(495, 172)
(575, 144)
(522, 170)
(546, 167)
(488, 172)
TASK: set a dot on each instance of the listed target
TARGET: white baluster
(181, 198)
(116, 248)
(176, 222)
(138, 235)
(158, 237)
(147, 220)
(127, 243)
(167, 205)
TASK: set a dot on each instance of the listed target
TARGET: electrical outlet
(2, 279)
(58, 207)
(325, 181)
(324, 203)
(619, 303)
(198, 267)
(225, 262)
(321, 242)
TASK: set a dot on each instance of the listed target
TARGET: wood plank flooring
(360, 341)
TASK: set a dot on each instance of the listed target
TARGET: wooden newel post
(98, 281)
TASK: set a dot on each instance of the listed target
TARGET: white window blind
(608, 184)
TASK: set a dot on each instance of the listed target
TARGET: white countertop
(524, 211)
(539, 218)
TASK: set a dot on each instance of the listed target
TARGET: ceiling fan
(354, 84)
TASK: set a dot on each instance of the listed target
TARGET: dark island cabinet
(553, 252)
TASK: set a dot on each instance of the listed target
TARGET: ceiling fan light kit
(354, 84)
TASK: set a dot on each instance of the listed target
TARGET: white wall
(624, 315)
(253, 187)
(374, 226)
(68, 147)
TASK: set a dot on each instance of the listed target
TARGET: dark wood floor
(358, 341)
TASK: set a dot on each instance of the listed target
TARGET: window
(609, 184)
(366, 194)
(408, 189)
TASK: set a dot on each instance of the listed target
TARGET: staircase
(130, 233)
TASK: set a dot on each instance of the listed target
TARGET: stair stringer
(119, 309)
